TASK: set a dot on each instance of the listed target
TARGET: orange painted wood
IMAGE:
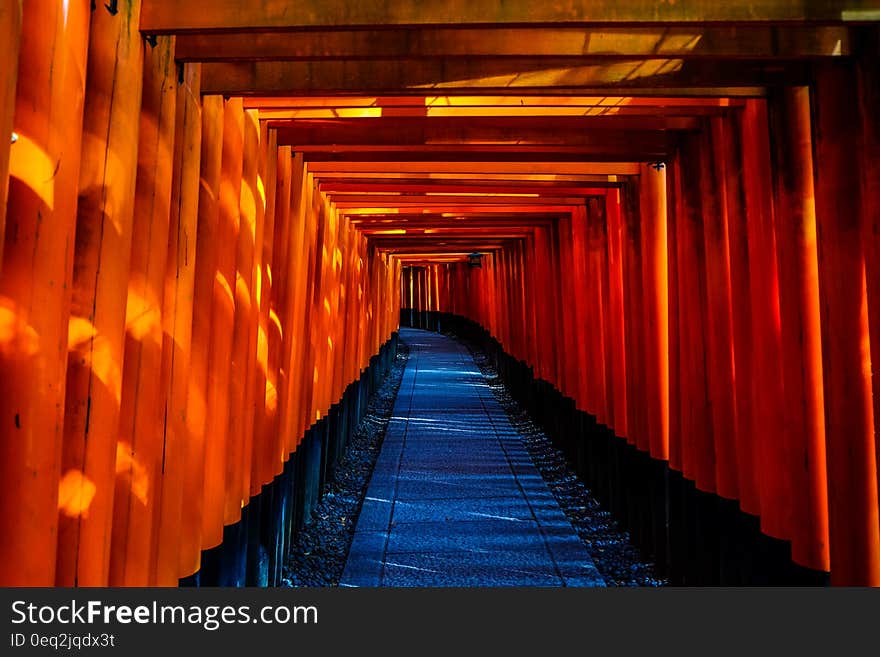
(559, 298)
(210, 149)
(322, 312)
(869, 100)
(673, 211)
(620, 339)
(165, 15)
(698, 452)
(633, 329)
(310, 279)
(850, 435)
(280, 243)
(767, 386)
(255, 385)
(334, 371)
(222, 322)
(100, 286)
(797, 257)
(178, 323)
(240, 427)
(35, 289)
(655, 277)
(719, 324)
(139, 457)
(269, 332)
(603, 323)
(583, 310)
(10, 41)
(740, 291)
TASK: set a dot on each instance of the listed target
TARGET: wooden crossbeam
(517, 129)
(427, 186)
(712, 42)
(479, 167)
(160, 16)
(687, 104)
(538, 179)
(499, 153)
(465, 75)
(407, 200)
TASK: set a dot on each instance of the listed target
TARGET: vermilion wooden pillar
(142, 409)
(869, 101)
(240, 425)
(673, 210)
(851, 451)
(100, 287)
(740, 293)
(316, 236)
(269, 333)
(182, 450)
(655, 282)
(319, 311)
(210, 127)
(772, 475)
(10, 41)
(35, 289)
(280, 281)
(299, 298)
(801, 331)
(719, 324)
(521, 303)
(256, 373)
(558, 297)
(597, 278)
(222, 322)
(620, 340)
(698, 449)
(605, 326)
(570, 326)
(582, 309)
(633, 325)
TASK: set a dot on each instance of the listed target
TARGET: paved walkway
(454, 499)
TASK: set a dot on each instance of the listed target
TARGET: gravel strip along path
(317, 556)
(614, 556)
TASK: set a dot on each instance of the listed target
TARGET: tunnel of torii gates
(216, 217)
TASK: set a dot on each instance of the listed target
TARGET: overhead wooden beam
(461, 208)
(466, 75)
(715, 42)
(500, 153)
(431, 246)
(483, 216)
(274, 116)
(429, 101)
(173, 16)
(521, 129)
(471, 187)
(444, 227)
(481, 167)
(537, 179)
(408, 200)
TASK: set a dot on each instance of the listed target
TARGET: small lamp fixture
(475, 259)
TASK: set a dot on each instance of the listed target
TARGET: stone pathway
(454, 499)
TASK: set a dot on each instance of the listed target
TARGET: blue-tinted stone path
(454, 499)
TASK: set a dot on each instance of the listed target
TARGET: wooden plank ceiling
(442, 128)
